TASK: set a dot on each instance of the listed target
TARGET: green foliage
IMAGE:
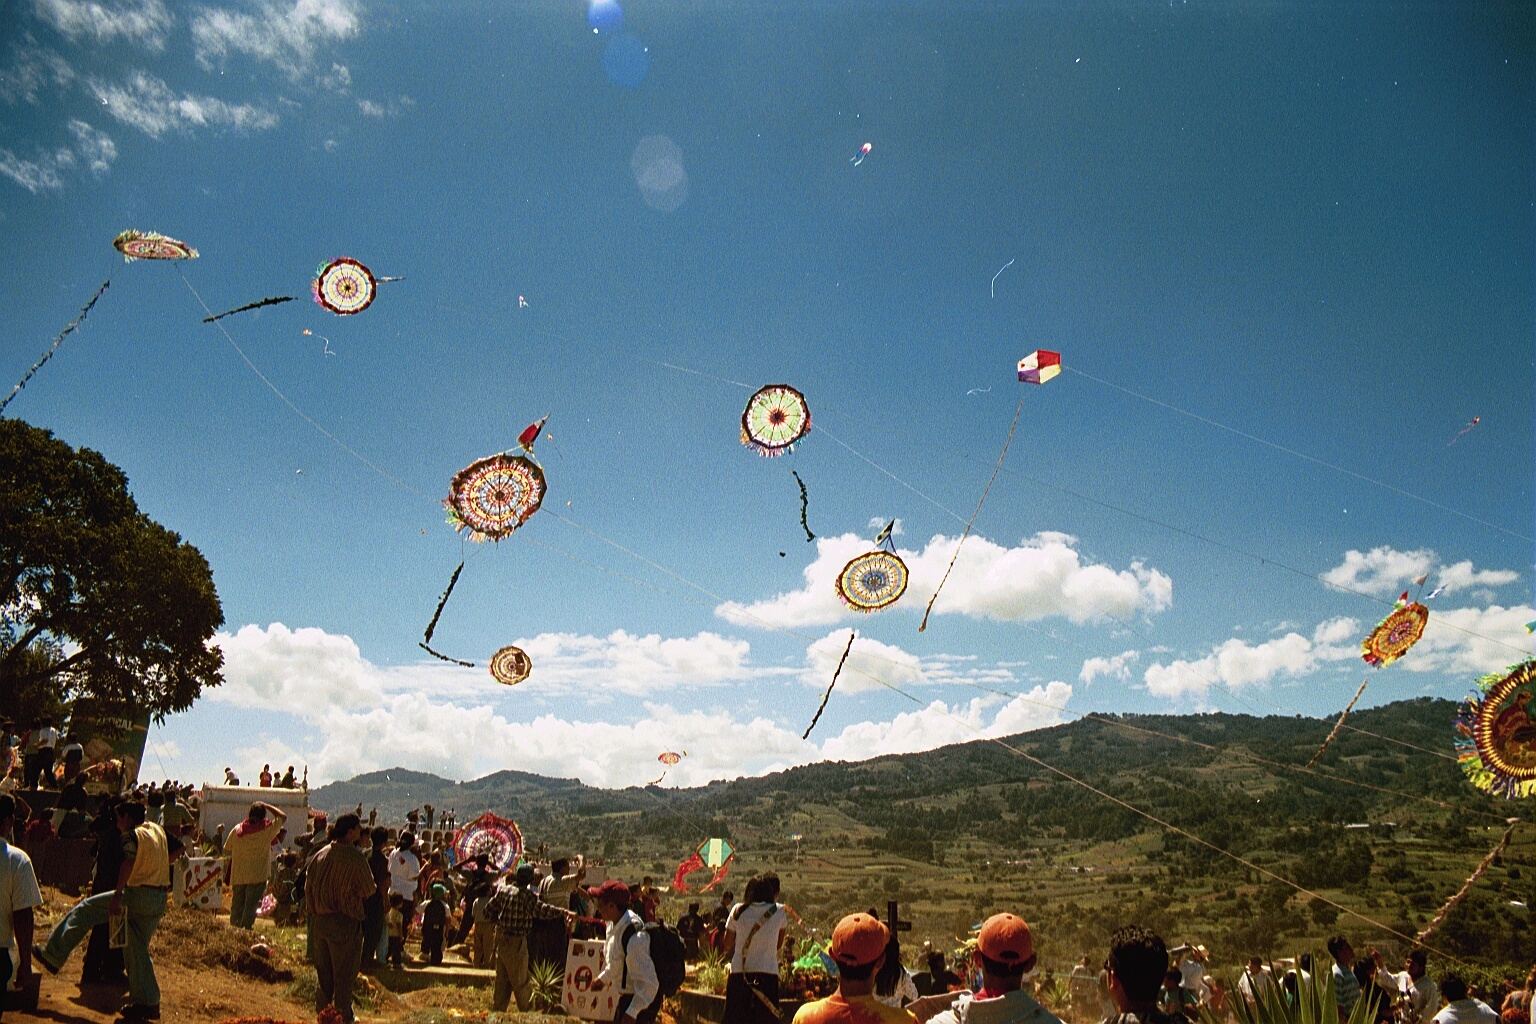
(712, 972)
(1315, 1003)
(96, 599)
(547, 979)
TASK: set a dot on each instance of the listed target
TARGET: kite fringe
(828, 695)
(1466, 887)
(995, 470)
(269, 301)
(804, 502)
(1339, 724)
(57, 341)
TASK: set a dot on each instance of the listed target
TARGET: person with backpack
(643, 963)
(754, 931)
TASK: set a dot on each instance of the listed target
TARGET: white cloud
(1118, 667)
(371, 109)
(869, 661)
(1041, 577)
(37, 175)
(940, 724)
(148, 104)
(1381, 571)
(32, 69)
(1237, 663)
(95, 147)
(1449, 644)
(285, 34)
(144, 22)
(1462, 576)
(636, 665)
(339, 79)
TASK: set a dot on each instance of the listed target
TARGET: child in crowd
(434, 921)
(395, 926)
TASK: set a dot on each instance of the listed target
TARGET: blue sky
(1313, 226)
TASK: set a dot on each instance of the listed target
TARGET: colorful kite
(493, 496)
(496, 837)
(510, 666)
(426, 639)
(148, 245)
(669, 758)
(712, 853)
(1475, 421)
(1039, 366)
(863, 152)
(1496, 733)
(344, 286)
(530, 434)
(774, 419)
(872, 581)
(1395, 634)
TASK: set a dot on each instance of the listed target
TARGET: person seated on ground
(434, 924)
(1460, 1007)
(1137, 966)
(394, 926)
(73, 797)
(74, 825)
(858, 948)
(1005, 952)
(1175, 1000)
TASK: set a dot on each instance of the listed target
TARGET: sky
(1285, 250)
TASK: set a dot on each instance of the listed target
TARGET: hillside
(961, 830)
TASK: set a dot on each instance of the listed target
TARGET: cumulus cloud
(284, 34)
(1462, 576)
(32, 69)
(1043, 576)
(338, 80)
(940, 724)
(1471, 641)
(148, 104)
(144, 22)
(1237, 663)
(371, 109)
(1381, 571)
(1118, 667)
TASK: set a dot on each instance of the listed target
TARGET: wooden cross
(893, 919)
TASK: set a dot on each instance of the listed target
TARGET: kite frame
(511, 653)
(753, 440)
(1481, 759)
(318, 285)
(898, 570)
(1381, 649)
(458, 490)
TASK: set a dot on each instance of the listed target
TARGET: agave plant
(547, 979)
(1315, 1002)
(713, 971)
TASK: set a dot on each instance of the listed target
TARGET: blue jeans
(243, 901)
(145, 907)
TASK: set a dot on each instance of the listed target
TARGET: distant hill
(1386, 825)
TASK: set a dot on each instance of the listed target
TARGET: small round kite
(1396, 633)
(1496, 733)
(491, 497)
(871, 582)
(510, 666)
(497, 837)
(669, 758)
(147, 245)
(344, 286)
(774, 419)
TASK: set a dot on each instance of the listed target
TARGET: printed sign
(205, 882)
(583, 964)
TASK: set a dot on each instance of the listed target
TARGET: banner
(205, 882)
(583, 964)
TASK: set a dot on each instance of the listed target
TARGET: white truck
(228, 806)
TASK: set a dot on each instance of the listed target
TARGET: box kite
(1039, 366)
(1395, 634)
(1496, 733)
(510, 666)
(497, 837)
(775, 418)
(493, 496)
(148, 245)
(712, 853)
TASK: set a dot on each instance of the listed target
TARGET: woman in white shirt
(754, 931)
(893, 982)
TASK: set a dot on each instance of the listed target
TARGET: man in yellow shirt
(858, 946)
(143, 885)
(248, 856)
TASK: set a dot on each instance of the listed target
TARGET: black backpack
(667, 956)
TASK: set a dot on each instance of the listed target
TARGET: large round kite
(491, 497)
(147, 245)
(510, 666)
(344, 286)
(1396, 633)
(1496, 733)
(774, 419)
(871, 582)
(496, 837)
(670, 758)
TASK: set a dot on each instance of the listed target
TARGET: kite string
(990, 481)
(1292, 451)
(828, 695)
(1340, 724)
(57, 341)
(947, 511)
(285, 400)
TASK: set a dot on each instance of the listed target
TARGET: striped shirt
(1346, 989)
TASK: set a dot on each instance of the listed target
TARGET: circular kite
(497, 837)
(1396, 633)
(669, 758)
(1496, 733)
(147, 245)
(774, 419)
(344, 286)
(871, 582)
(510, 666)
(491, 497)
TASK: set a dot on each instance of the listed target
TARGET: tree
(96, 599)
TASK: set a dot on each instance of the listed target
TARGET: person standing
(248, 857)
(375, 907)
(143, 886)
(339, 882)
(513, 908)
(1346, 987)
(754, 931)
(1460, 1007)
(690, 928)
(1412, 987)
(1005, 952)
(404, 869)
(858, 947)
(1255, 982)
(18, 895)
(1138, 962)
(627, 965)
(39, 753)
(73, 755)
(104, 965)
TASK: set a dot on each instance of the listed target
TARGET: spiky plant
(1315, 1003)
(713, 971)
(548, 980)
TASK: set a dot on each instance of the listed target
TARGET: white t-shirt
(1467, 1011)
(905, 991)
(763, 955)
(1193, 973)
(18, 888)
(44, 739)
(404, 867)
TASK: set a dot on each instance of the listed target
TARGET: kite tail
(1466, 887)
(828, 695)
(57, 341)
(269, 301)
(432, 626)
(719, 874)
(995, 469)
(804, 501)
(686, 868)
(444, 657)
(1338, 725)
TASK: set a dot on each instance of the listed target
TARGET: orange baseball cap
(859, 939)
(1006, 939)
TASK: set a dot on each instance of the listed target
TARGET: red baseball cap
(613, 891)
(859, 939)
(1006, 939)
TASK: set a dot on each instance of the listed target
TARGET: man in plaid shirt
(514, 907)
